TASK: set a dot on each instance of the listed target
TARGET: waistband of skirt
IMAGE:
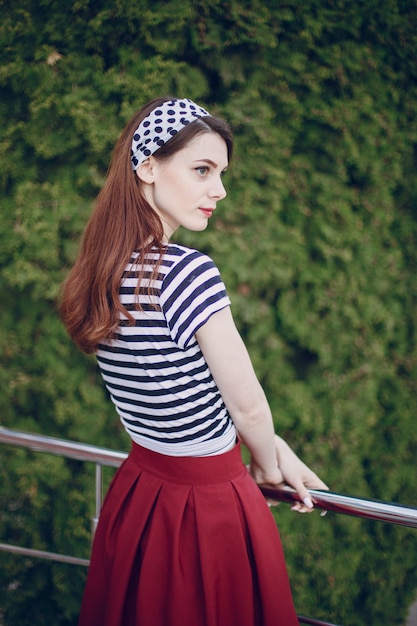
(190, 470)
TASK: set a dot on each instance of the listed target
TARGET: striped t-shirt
(155, 371)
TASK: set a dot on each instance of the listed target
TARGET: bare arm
(231, 367)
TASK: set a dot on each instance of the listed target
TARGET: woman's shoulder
(174, 256)
(178, 250)
(178, 253)
(171, 252)
(181, 263)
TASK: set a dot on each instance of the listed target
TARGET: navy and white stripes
(154, 370)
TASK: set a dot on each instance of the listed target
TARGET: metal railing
(325, 500)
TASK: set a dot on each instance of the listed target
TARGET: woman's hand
(294, 473)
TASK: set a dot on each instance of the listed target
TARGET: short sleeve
(191, 292)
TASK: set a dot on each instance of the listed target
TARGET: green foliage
(316, 242)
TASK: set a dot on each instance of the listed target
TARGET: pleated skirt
(186, 541)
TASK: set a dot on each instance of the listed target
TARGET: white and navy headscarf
(160, 125)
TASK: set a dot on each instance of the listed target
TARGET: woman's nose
(218, 190)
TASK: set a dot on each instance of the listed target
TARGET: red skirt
(186, 541)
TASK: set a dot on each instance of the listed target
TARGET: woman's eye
(203, 170)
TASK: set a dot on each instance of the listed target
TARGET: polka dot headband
(160, 125)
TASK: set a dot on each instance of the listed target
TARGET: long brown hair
(122, 222)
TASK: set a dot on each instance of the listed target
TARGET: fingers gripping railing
(349, 505)
(324, 500)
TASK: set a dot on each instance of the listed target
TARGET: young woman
(185, 537)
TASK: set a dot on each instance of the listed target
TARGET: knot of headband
(160, 125)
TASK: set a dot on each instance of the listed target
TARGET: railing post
(99, 498)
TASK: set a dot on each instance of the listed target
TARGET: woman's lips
(207, 212)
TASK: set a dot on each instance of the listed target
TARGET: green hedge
(316, 242)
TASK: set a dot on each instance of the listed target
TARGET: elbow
(250, 415)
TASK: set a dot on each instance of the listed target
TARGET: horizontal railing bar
(325, 500)
(313, 622)
(70, 449)
(348, 505)
(52, 556)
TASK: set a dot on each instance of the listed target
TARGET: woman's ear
(145, 171)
